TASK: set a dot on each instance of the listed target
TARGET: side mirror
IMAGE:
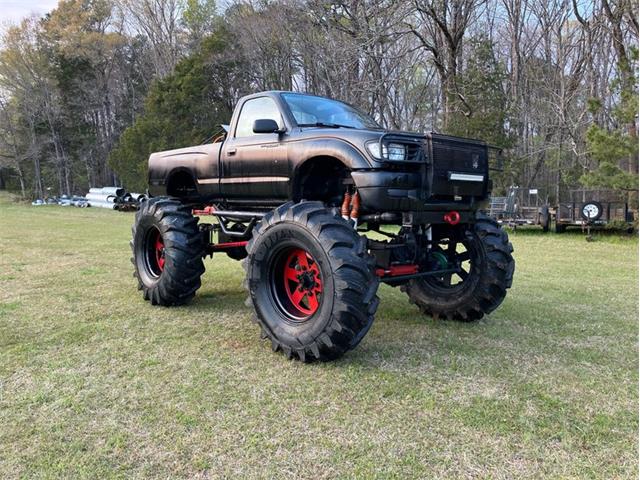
(266, 125)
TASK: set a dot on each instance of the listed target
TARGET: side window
(255, 109)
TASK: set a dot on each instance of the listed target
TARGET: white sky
(15, 10)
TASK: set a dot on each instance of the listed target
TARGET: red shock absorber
(346, 205)
(355, 209)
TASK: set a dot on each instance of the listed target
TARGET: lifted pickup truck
(293, 186)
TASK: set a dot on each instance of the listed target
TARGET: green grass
(95, 382)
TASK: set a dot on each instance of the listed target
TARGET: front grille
(461, 156)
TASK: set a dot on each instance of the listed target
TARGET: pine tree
(615, 149)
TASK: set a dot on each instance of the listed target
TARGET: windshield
(317, 111)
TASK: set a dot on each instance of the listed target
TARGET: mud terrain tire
(485, 287)
(311, 282)
(167, 252)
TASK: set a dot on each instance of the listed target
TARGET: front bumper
(403, 192)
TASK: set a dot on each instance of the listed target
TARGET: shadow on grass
(573, 232)
(216, 300)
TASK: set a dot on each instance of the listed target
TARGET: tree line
(91, 88)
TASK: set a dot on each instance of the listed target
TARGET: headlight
(394, 151)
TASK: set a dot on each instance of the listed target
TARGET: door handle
(231, 151)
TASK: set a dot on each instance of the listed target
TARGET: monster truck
(322, 204)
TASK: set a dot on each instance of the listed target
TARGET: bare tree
(159, 22)
(440, 28)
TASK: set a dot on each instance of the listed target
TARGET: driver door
(255, 166)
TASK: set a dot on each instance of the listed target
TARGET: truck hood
(357, 137)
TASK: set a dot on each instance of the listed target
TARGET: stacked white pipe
(113, 198)
(105, 197)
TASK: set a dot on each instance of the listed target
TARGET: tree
(199, 19)
(441, 31)
(613, 147)
(480, 83)
(10, 145)
(181, 109)
(26, 77)
(159, 22)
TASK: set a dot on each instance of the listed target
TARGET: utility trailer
(593, 210)
(520, 207)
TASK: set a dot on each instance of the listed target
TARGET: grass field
(95, 382)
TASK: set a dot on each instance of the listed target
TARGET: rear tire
(167, 252)
(485, 284)
(311, 282)
(545, 218)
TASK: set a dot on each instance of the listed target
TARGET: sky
(14, 10)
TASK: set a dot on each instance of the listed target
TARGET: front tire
(311, 282)
(167, 252)
(487, 268)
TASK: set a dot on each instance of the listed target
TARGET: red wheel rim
(302, 283)
(159, 250)
(155, 255)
